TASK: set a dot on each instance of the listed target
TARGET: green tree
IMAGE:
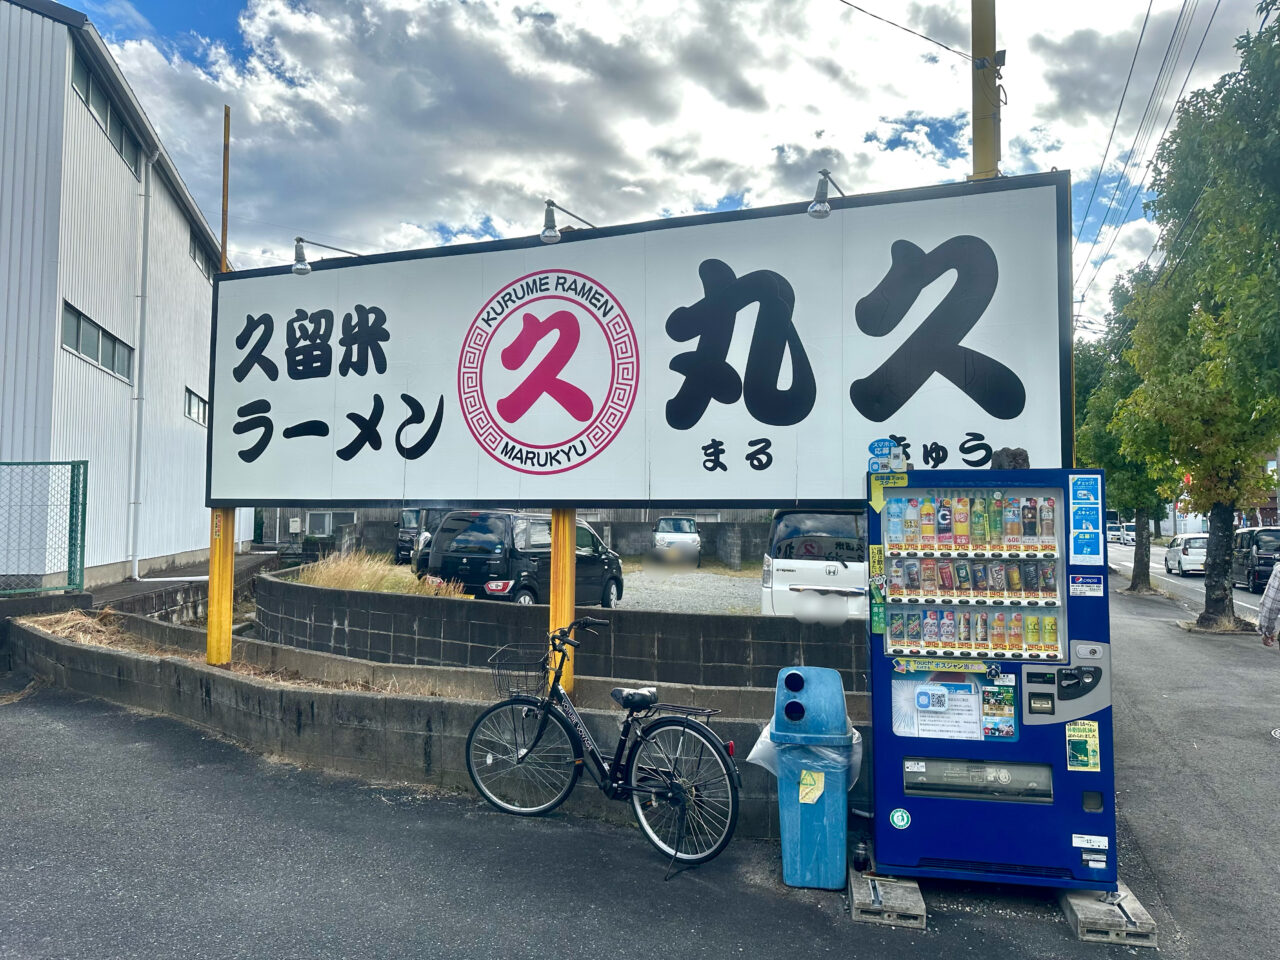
(1088, 361)
(1206, 333)
(1131, 485)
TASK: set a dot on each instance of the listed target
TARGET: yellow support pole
(564, 568)
(222, 567)
(222, 520)
(986, 92)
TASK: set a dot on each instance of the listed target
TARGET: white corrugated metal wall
(33, 56)
(100, 252)
(179, 304)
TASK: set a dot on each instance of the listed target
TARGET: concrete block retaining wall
(376, 736)
(711, 650)
(189, 599)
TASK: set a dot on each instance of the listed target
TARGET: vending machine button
(1016, 656)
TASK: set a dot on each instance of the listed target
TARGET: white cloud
(385, 124)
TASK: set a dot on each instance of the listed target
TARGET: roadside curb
(374, 736)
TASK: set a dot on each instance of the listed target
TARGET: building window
(202, 259)
(197, 408)
(323, 523)
(94, 94)
(100, 348)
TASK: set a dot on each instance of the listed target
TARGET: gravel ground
(692, 591)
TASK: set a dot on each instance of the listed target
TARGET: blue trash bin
(815, 745)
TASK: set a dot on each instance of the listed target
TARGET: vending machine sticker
(1085, 490)
(1089, 842)
(812, 783)
(952, 711)
(1085, 585)
(1084, 545)
(881, 480)
(1082, 746)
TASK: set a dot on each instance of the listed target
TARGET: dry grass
(373, 572)
(102, 630)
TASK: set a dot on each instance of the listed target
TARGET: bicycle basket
(520, 669)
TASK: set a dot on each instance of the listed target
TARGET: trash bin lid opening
(794, 710)
(794, 681)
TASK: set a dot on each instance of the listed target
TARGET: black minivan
(1253, 554)
(504, 555)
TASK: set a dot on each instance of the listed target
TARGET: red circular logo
(549, 372)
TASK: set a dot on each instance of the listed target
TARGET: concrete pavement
(124, 835)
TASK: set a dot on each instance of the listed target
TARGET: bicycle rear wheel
(683, 790)
(514, 773)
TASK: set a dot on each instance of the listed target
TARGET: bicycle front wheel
(512, 771)
(683, 790)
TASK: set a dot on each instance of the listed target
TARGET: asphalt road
(1188, 590)
(125, 835)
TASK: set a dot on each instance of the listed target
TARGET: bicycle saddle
(635, 699)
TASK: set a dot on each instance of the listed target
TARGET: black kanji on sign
(308, 354)
(366, 431)
(759, 457)
(708, 375)
(713, 456)
(974, 443)
(253, 416)
(934, 346)
(265, 327)
(418, 414)
(362, 338)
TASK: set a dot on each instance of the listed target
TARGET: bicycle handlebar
(565, 634)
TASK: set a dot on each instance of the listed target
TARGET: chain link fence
(42, 515)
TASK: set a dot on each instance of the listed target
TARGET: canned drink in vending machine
(1033, 636)
(897, 628)
(914, 629)
(981, 636)
(947, 628)
(946, 577)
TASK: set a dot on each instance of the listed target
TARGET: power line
(907, 29)
(1172, 113)
(1119, 107)
(1123, 221)
(1146, 124)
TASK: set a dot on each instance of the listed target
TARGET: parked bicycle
(525, 754)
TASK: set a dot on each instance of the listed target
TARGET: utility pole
(222, 520)
(986, 91)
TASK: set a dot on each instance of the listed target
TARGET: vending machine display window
(974, 574)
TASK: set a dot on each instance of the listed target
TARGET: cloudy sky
(394, 124)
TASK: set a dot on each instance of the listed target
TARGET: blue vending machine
(991, 677)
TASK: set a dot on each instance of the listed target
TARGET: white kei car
(1186, 553)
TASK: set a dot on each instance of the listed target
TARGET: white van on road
(815, 558)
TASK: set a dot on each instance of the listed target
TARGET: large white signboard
(733, 359)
